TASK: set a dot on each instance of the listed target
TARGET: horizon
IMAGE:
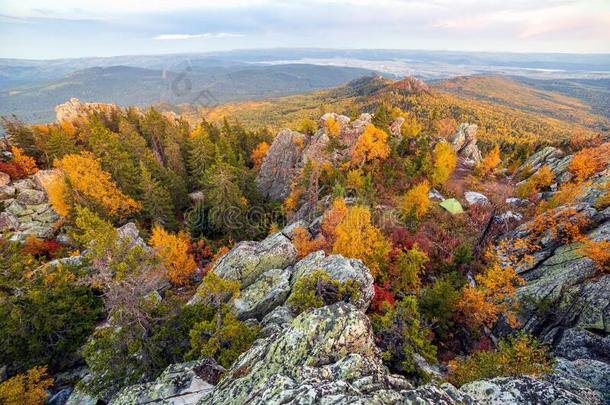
(68, 29)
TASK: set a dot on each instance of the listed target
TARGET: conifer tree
(157, 206)
(200, 156)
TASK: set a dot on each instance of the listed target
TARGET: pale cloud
(178, 37)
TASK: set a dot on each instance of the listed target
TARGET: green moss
(318, 289)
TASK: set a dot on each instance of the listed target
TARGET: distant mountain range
(31, 88)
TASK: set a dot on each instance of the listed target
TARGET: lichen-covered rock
(31, 197)
(42, 178)
(339, 268)
(268, 291)
(279, 165)
(592, 373)
(248, 259)
(464, 143)
(129, 233)
(473, 198)
(325, 352)
(531, 390)
(179, 384)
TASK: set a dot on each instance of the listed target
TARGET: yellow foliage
(27, 163)
(56, 191)
(416, 202)
(28, 388)
(333, 127)
(88, 182)
(355, 181)
(543, 178)
(358, 238)
(68, 128)
(259, 153)
(445, 161)
(599, 252)
(172, 249)
(291, 202)
(371, 145)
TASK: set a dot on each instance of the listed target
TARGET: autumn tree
(404, 274)
(490, 161)
(415, 203)
(371, 145)
(28, 388)
(481, 305)
(258, 154)
(589, 161)
(358, 238)
(27, 163)
(88, 185)
(540, 180)
(332, 218)
(444, 162)
(173, 252)
(332, 126)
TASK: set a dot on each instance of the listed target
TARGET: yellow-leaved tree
(172, 249)
(27, 163)
(415, 203)
(445, 161)
(357, 237)
(258, 154)
(490, 161)
(371, 145)
(86, 184)
(27, 388)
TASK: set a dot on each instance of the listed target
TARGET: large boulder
(31, 197)
(248, 259)
(43, 178)
(183, 383)
(464, 142)
(279, 165)
(268, 291)
(549, 156)
(340, 269)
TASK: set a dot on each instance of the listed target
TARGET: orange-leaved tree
(27, 163)
(493, 295)
(332, 126)
(258, 154)
(490, 161)
(371, 145)
(90, 186)
(589, 161)
(173, 250)
(357, 237)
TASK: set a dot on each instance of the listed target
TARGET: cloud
(179, 37)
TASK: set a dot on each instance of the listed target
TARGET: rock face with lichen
(464, 143)
(24, 207)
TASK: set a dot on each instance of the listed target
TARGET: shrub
(517, 355)
(332, 126)
(304, 243)
(28, 164)
(401, 335)
(542, 179)
(318, 289)
(438, 301)
(28, 388)
(404, 272)
(490, 161)
(599, 252)
(589, 161)
(371, 145)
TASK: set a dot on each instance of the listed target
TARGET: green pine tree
(156, 201)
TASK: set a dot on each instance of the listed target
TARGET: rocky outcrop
(464, 143)
(248, 259)
(268, 291)
(278, 167)
(179, 384)
(75, 110)
(549, 156)
(24, 208)
(341, 269)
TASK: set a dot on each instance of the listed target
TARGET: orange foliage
(599, 252)
(542, 179)
(371, 145)
(589, 161)
(223, 250)
(259, 153)
(304, 243)
(481, 305)
(27, 163)
(173, 250)
(333, 217)
(446, 127)
(491, 161)
(28, 388)
(57, 193)
(88, 182)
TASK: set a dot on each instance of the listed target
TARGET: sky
(79, 28)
